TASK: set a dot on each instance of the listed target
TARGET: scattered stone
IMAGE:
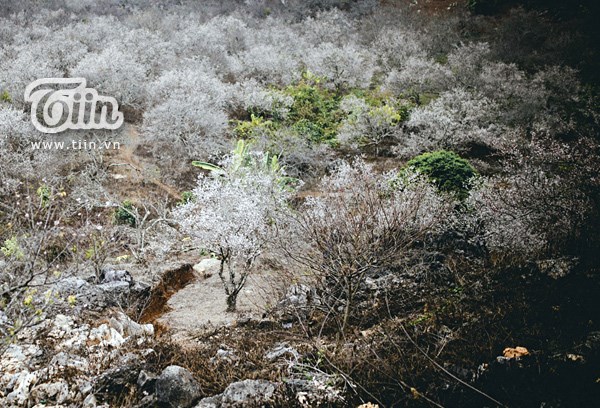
(210, 402)
(146, 381)
(224, 355)
(128, 328)
(109, 276)
(177, 388)
(57, 392)
(90, 401)
(576, 358)
(106, 336)
(280, 351)
(208, 267)
(249, 393)
(64, 360)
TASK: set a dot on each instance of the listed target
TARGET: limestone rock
(177, 388)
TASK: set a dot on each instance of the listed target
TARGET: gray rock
(146, 381)
(128, 328)
(298, 296)
(281, 350)
(207, 267)
(177, 388)
(249, 393)
(115, 290)
(224, 355)
(90, 401)
(67, 360)
(56, 392)
(87, 295)
(116, 276)
(210, 402)
(125, 371)
(297, 300)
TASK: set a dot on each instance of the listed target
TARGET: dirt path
(200, 305)
(136, 172)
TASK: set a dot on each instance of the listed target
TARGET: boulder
(128, 328)
(249, 393)
(124, 371)
(177, 388)
(207, 267)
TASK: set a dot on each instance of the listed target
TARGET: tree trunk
(232, 301)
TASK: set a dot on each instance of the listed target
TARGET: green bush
(186, 197)
(5, 97)
(124, 214)
(315, 112)
(247, 129)
(448, 171)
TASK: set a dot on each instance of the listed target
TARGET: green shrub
(447, 170)
(186, 197)
(5, 97)
(44, 193)
(315, 112)
(257, 125)
(124, 214)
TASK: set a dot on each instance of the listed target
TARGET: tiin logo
(72, 108)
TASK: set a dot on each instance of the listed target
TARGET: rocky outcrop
(177, 388)
(70, 359)
(116, 287)
(244, 394)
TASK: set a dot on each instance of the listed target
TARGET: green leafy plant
(124, 214)
(448, 171)
(315, 112)
(186, 197)
(241, 158)
(44, 193)
(247, 129)
(5, 97)
(11, 248)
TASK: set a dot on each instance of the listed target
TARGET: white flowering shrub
(536, 206)
(252, 97)
(466, 62)
(452, 121)
(220, 40)
(368, 126)
(346, 66)
(396, 46)
(418, 75)
(22, 65)
(147, 48)
(332, 26)
(15, 135)
(188, 112)
(233, 213)
(113, 72)
(269, 63)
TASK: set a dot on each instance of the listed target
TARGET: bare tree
(362, 222)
